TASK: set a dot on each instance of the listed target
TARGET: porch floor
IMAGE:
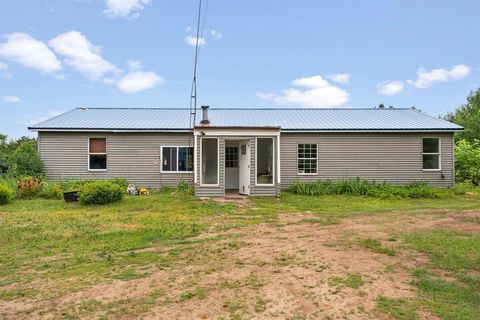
(233, 194)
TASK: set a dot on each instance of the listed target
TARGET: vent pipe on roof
(205, 121)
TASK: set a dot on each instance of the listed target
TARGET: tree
(468, 116)
(26, 160)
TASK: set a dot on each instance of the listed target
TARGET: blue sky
(56, 55)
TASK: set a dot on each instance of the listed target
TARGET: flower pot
(70, 196)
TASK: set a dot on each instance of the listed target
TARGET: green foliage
(51, 190)
(401, 309)
(6, 194)
(458, 254)
(376, 246)
(27, 161)
(465, 187)
(414, 190)
(352, 280)
(76, 185)
(467, 161)
(468, 116)
(183, 187)
(100, 192)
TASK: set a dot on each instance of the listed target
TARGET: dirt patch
(294, 268)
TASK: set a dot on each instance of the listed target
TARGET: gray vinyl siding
(262, 190)
(211, 191)
(393, 157)
(129, 155)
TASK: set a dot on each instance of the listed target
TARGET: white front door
(244, 165)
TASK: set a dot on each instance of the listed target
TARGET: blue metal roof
(169, 119)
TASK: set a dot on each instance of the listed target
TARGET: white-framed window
(432, 154)
(97, 154)
(209, 161)
(264, 162)
(307, 158)
(231, 157)
(176, 159)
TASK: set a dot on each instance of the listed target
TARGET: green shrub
(6, 194)
(51, 190)
(26, 161)
(417, 189)
(464, 187)
(121, 182)
(29, 188)
(100, 192)
(467, 161)
(183, 187)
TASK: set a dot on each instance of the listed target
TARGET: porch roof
(178, 119)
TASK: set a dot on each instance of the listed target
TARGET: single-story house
(255, 152)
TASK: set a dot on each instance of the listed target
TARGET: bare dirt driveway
(293, 268)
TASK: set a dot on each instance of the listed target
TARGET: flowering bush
(29, 188)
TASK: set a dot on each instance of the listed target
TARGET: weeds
(414, 190)
(376, 246)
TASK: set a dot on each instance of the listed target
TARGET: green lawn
(69, 247)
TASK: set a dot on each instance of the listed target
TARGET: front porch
(236, 161)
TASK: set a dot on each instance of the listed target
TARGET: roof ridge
(240, 108)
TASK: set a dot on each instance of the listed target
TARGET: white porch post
(278, 158)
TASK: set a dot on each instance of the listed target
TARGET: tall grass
(414, 190)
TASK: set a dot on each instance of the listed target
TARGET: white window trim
(273, 162)
(88, 154)
(316, 160)
(161, 159)
(218, 163)
(439, 153)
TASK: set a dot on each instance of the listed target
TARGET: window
(209, 161)
(177, 159)
(97, 154)
(231, 157)
(307, 158)
(264, 161)
(431, 153)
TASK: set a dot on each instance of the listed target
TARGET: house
(254, 152)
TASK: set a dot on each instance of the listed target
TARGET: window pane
(264, 160)
(307, 158)
(98, 145)
(431, 161)
(185, 159)
(169, 159)
(431, 145)
(231, 157)
(98, 162)
(209, 161)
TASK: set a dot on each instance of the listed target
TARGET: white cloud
(134, 64)
(390, 88)
(340, 77)
(3, 66)
(10, 99)
(125, 8)
(138, 81)
(192, 40)
(22, 48)
(82, 55)
(216, 34)
(314, 92)
(425, 79)
(188, 29)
